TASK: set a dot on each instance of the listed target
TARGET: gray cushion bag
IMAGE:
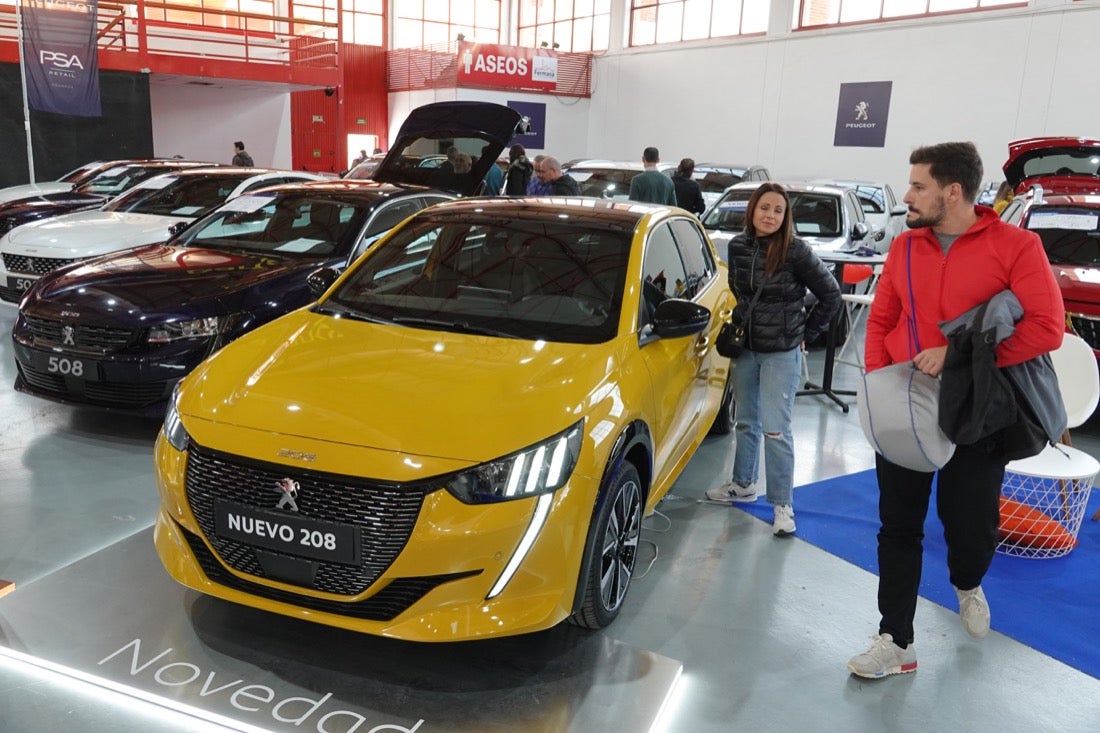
(899, 408)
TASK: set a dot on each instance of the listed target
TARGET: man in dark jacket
(241, 156)
(561, 184)
(689, 194)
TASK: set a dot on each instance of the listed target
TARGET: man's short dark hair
(952, 163)
(650, 155)
(238, 145)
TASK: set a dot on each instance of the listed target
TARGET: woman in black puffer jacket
(768, 258)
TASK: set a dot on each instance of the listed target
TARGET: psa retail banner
(60, 57)
(861, 114)
(513, 67)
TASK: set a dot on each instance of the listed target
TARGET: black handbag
(731, 340)
(731, 337)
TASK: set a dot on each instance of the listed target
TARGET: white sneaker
(731, 492)
(974, 611)
(783, 523)
(883, 658)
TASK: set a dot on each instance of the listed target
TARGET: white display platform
(118, 616)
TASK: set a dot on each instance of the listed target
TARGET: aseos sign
(512, 67)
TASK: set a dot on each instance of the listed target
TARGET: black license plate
(20, 284)
(284, 531)
(63, 365)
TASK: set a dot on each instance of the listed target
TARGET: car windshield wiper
(459, 326)
(331, 308)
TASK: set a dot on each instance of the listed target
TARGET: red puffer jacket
(990, 257)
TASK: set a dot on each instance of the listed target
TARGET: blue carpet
(1052, 605)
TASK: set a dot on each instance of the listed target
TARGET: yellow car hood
(411, 390)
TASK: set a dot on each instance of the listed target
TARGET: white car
(881, 207)
(143, 215)
(66, 183)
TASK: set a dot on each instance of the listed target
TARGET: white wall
(990, 77)
(201, 123)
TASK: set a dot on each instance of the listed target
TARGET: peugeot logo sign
(287, 489)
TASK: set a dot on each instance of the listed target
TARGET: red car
(1057, 184)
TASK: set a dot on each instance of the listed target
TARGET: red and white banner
(513, 67)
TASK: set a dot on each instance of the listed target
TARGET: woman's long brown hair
(780, 242)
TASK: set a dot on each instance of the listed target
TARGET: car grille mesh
(22, 264)
(1087, 328)
(385, 605)
(103, 394)
(101, 339)
(384, 513)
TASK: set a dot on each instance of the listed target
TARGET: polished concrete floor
(759, 627)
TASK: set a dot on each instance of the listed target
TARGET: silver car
(828, 218)
(881, 207)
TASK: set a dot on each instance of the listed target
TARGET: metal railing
(148, 34)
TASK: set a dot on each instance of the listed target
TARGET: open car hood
(480, 129)
(1059, 164)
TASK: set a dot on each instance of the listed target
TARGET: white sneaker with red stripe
(883, 658)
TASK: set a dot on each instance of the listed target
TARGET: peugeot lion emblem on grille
(67, 336)
(288, 488)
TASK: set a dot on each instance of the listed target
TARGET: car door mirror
(899, 210)
(321, 280)
(859, 230)
(676, 317)
(178, 227)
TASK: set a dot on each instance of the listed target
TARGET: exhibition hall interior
(352, 381)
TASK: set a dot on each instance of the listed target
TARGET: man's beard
(929, 220)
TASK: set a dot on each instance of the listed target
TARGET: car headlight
(197, 328)
(174, 431)
(539, 469)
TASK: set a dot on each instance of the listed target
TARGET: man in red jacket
(954, 257)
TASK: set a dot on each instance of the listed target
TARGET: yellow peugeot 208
(461, 437)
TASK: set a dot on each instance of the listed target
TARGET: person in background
(520, 172)
(560, 184)
(361, 157)
(689, 194)
(1004, 195)
(241, 156)
(955, 256)
(448, 166)
(494, 177)
(652, 186)
(768, 258)
(536, 186)
(462, 163)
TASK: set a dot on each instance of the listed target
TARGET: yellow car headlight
(538, 469)
(174, 431)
